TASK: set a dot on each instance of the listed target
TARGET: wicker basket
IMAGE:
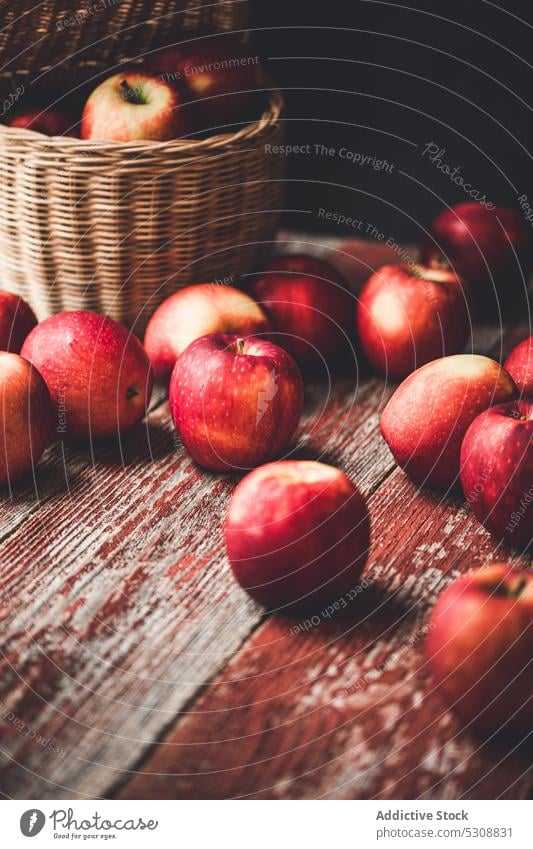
(117, 227)
(40, 33)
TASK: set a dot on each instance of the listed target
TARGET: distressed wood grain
(349, 711)
(117, 603)
(341, 705)
(117, 610)
(58, 470)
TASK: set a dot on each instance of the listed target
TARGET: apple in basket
(26, 417)
(50, 121)
(135, 106)
(98, 373)
(16, 321)
(221, 74)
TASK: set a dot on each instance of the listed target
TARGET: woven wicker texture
(38, 33)
(117, 227)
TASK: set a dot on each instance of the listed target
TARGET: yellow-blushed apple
(135, 106)
(198, 311)
(427, 417)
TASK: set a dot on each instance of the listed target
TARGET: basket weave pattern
(37, 33)
(117, 227)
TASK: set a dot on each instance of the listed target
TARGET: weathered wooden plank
(59, 470)
(117, 604)
(344, 708)
(246, 730)
(105, 540)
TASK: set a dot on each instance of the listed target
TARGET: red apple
(497, 470)
(51, 121)
(16, 321)
(489, 248)
(98, 373)
(427, 417)
(26, 415)
(519, 364)
(135, 106)
(235, 402)
(407, 316)
(297, 532)
(198, 311)
(480, 648)
(219, 72)
(308, 304)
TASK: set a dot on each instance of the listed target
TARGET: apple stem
(431, 273)
(517, 590)
(509, 590)
(240, 346)
(439, 263)
(128, 93)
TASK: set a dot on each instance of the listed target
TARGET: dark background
(374, 77)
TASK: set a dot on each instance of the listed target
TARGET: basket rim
(66, 145)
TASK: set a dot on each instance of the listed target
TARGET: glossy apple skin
(427, 417)
(16, 320)
(497, 470)
(308, 304)
(111, 115)
(519, 364)
(222, 96)
(234, 410)
(406, 317)
(98, 374)
(297, 534)
(26, 417)
(480, 648)
(51, 121)
(482, 251)
(199, 311)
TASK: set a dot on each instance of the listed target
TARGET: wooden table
(134, 667)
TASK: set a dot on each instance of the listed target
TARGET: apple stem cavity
(434, 273)
(518, 589)
(239, 346)
(509, 590)
(132, 95)
(439, 263)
